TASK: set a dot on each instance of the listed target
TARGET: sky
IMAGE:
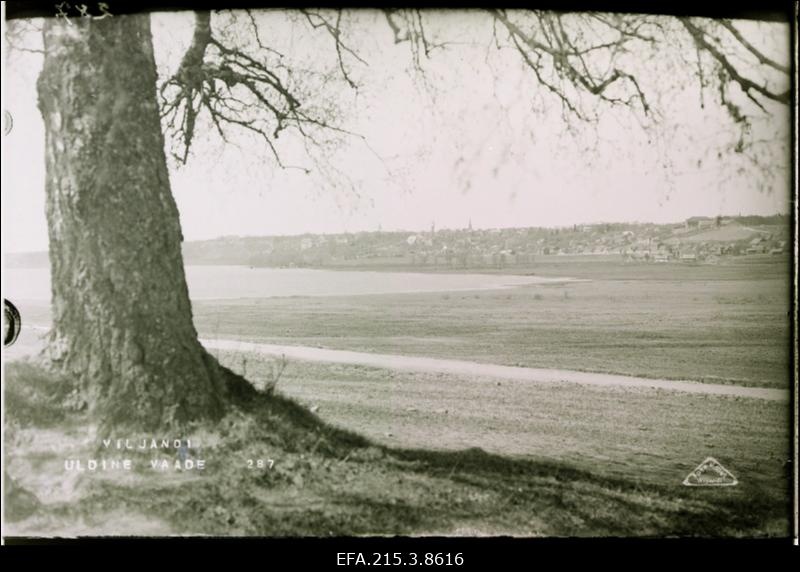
(474, 139)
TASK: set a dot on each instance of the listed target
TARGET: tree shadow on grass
(331, 481)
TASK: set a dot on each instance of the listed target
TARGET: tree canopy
(234, 78)
(587, 62)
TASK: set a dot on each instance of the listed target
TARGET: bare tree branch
(237, 89)
(762, 59)
(318, 20)
(583, 60)
(747, 85)
(567, 61)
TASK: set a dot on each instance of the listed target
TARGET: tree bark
(122, 319)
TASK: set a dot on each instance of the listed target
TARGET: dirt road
(468, 368)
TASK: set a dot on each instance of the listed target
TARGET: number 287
(260, 463)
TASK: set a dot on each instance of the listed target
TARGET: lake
(230, 282)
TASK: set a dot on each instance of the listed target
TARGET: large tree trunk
(122, 320)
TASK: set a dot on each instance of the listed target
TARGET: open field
(644, 435)
(725, 324)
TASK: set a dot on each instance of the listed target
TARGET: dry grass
(419, 480)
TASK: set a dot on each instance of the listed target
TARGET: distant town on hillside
(695, 240)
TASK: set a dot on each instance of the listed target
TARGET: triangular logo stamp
(710, 473)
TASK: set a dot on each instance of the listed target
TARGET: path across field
(462, 367)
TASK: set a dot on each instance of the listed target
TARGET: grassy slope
(327, 481)
(717, 323)
(642, 435)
